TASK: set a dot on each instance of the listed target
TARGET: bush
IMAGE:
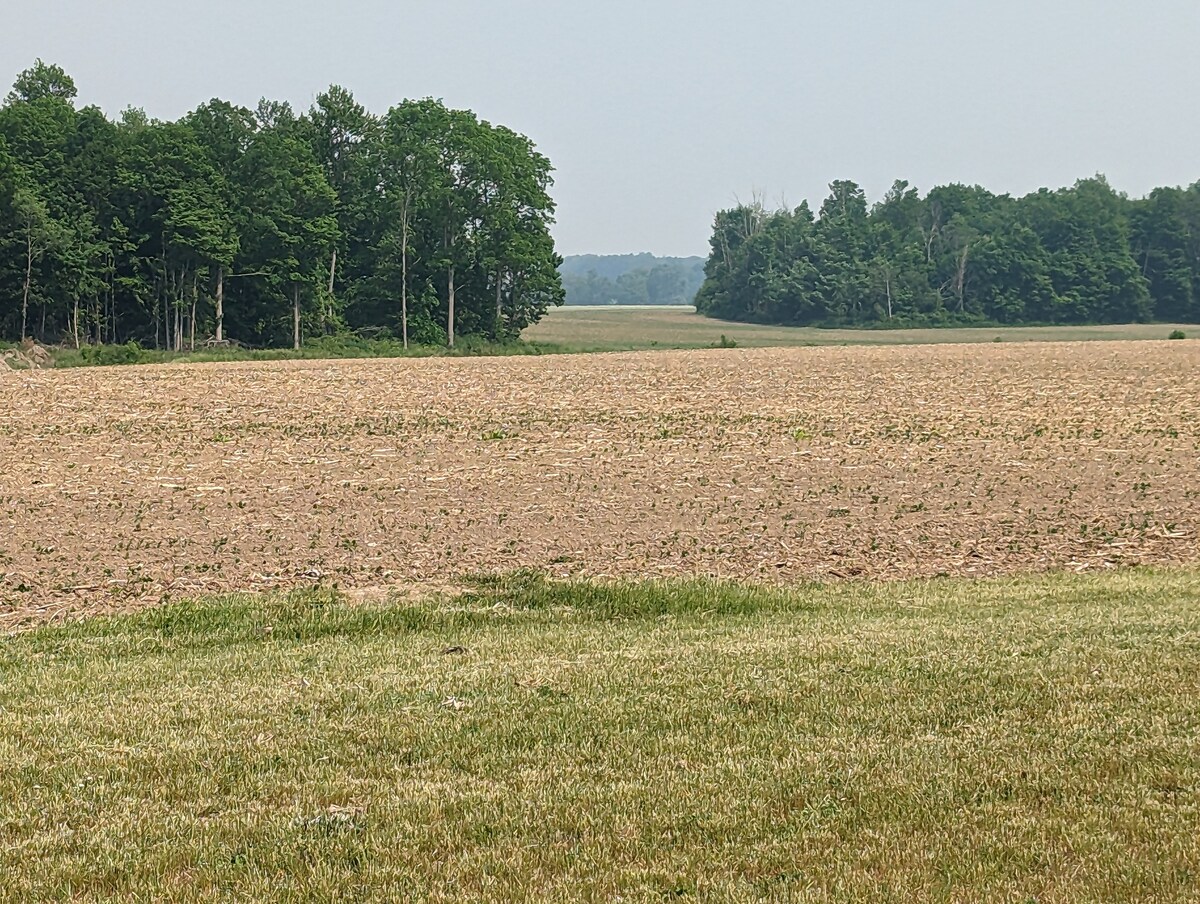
(1178, 334)
(343, 345)
(350, 346)
(129, 353)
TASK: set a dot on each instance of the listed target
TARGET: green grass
(576, 330)
(631, 329)
(326, 348)
(1012, 740)
(571, 330)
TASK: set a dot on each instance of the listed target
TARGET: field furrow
(121, 486)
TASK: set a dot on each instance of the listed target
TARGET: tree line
(960, 254)
(632, 279)
(267, 226)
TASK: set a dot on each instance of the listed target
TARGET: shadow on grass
(530, 598)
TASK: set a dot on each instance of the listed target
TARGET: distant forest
(960, 254)
(267, 226)
(632, 279)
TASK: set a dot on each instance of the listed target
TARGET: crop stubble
(121, 486)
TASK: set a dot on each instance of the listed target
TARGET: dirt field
(120, 486)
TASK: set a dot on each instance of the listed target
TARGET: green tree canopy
(266, 226)
(960, 254)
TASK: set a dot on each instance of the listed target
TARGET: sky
(658, 114)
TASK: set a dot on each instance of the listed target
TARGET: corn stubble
(122, 487)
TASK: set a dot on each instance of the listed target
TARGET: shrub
(1178, 334)
(129, 353)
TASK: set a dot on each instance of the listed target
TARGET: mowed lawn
(635, 328)
(1032, 739)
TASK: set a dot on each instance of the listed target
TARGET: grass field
(630, 328)
(574, 330)
(1032, 739)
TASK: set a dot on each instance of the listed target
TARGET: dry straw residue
(119, 486)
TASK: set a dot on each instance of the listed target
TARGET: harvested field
(628, 328)
(122, 486)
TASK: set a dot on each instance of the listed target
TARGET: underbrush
(331, 347)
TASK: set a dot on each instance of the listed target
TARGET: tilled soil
(121, 487)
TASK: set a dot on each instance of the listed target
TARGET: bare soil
(121, 487)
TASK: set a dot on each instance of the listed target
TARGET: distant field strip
(120, 486)
(627, 328)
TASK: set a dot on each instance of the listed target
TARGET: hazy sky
(657, 114)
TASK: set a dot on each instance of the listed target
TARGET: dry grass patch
(1007, 740)
(629, 328)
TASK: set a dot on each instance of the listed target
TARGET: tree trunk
(935, 217)
(499, 312)
(296, 317)
(449, 236)
(160, 291)
(75, 324)
(404, 275)
(329, 298)
(219, 335)
(169, 309)
(110, 303)
(180, 294)
(28, 280)
(450, 309)
(195, 297)
(960, 278)
(888, 283)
